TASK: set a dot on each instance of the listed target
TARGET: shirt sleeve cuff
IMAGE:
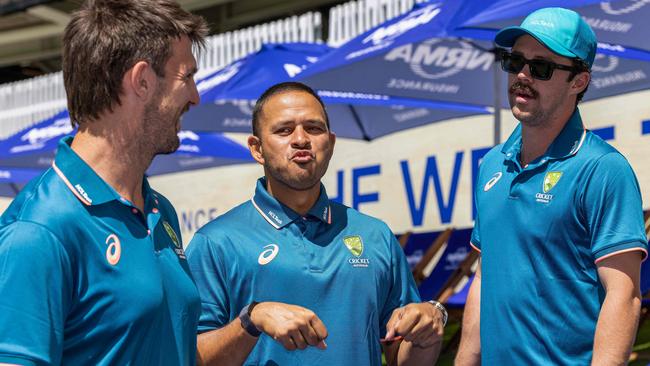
(620, 249)
(16, 360)
(475, 247)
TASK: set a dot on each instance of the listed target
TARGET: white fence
(355, 17)
(25, 102)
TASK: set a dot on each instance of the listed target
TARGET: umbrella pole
(497, 100)
(357, 119)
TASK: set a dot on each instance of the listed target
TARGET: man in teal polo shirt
(291, 278)
(559, 224)
(92, 268)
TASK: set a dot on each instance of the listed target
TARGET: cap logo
(543, 23)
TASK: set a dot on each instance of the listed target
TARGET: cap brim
(508, 36)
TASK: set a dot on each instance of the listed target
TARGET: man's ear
(255, 147)
(580, 82)
(140, 80)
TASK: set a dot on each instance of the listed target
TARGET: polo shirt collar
(279, 215)
(82, 180)
(566, 144)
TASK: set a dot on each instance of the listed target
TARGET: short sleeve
(209, 275)
(35, 294)
(403, 290)
(475, 239)
(613, 208)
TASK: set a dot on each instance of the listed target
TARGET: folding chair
(431, 257)
(404, 238)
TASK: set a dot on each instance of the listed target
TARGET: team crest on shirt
(550, 180)
(354, 243)
(172, 235)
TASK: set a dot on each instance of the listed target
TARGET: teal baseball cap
(562, 31)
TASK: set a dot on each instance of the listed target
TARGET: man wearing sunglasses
(559, 225)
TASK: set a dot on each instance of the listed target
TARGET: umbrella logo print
(633, 6)
(455, 60)
(604, 63)
(387, 34)
(439, 59)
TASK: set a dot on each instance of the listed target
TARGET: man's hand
(418, 323)
(293, 326)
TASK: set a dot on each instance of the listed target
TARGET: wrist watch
(245, 319)
(442, 310)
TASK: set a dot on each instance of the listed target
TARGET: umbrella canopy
(622, 63)
(228, 97)
(621, 26)
(420, 55)
(12, 180)
(29, 152)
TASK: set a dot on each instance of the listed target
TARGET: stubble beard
(158, 136)
(537, 116)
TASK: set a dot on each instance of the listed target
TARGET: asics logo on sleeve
(490, 183)
(268, 254)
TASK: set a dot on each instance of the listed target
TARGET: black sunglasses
(539, 69)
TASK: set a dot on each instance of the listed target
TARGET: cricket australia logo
(354, 244)
(172, 235)
(550, 180)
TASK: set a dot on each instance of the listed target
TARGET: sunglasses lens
(540, 69)
(512, 63)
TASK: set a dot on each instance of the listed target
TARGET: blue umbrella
(228, 96)
(421, 55)
(622, 64)
(29, 152)
(621, 26)
(12, 180)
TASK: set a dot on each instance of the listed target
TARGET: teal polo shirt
(345, 266)
(541, 229)
(88, 279)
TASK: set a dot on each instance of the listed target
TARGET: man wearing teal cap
(559, 219)
(92, 271)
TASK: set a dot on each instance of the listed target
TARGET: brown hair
(107, 37)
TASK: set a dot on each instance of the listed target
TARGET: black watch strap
(245, 319)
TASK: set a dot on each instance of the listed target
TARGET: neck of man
(301, 201)
(535, 139)
(107, 145)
